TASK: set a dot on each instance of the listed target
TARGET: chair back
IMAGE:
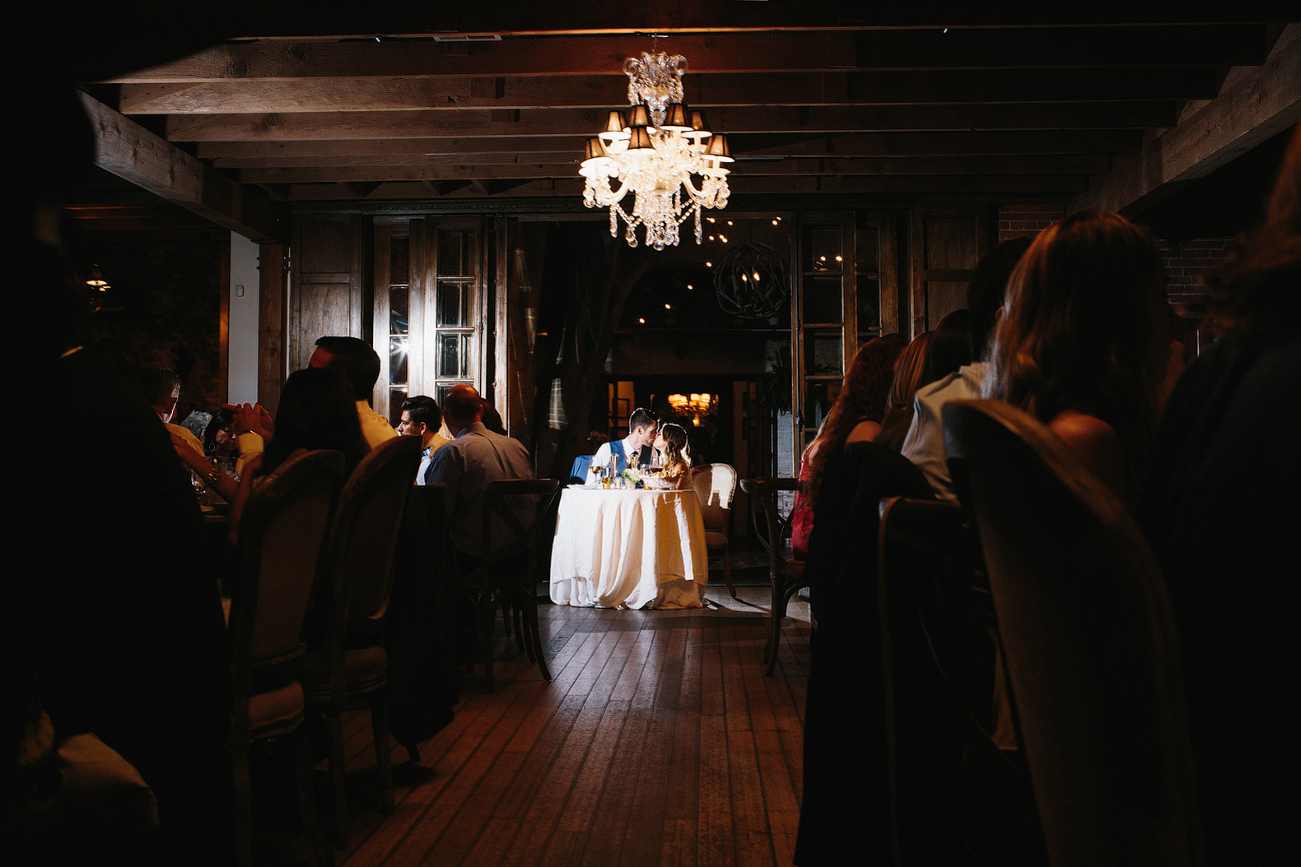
(1089, 640)
(578, 472)
(365, 531)
(282, 533)
(517, 507)
(939, 646)
(771, 528)
(715, 486)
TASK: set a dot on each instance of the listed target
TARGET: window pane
(398, 299)
(397, 361)
(823, 355)
(822, 249)
(822, 299)
(451, 361)
(453, 303)
(454, 253)
(395, 398)
(869, 308)
(399, 260)
(818, 398)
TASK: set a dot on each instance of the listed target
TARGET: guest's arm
(240, 497)
(224, 484)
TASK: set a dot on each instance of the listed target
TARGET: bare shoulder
(1095, 444)
(864, 431)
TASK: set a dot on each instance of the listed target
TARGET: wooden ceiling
(823, 105)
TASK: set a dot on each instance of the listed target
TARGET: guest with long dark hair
(1084, 339)
(317, 411)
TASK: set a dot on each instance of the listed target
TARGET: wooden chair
(281, 536)
(351, 666)
(939, 645)
(715, 486)
(1089, 643)
(507, 574)
(773, 532)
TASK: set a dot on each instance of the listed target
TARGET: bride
(671, 444)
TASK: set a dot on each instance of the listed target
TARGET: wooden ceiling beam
(295, 20)
(131, 152)
(1253, 107)
(607, 92)
(1060, 187)
(981, 165)
(969, 48)
(235, 154)
(567, 122)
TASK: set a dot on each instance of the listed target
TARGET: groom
(635, 449)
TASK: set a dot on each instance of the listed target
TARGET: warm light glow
(656, 153)
(694, 405)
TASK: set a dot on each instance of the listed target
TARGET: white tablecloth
(629, 549)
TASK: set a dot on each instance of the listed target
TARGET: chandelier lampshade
(661, 153)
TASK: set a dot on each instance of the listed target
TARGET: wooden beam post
(1251, 109)
(133, 153)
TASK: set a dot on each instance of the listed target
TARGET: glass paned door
(428, 322)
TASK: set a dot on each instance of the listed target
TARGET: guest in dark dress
(1221, 509)
(854, 417)
(844, 813)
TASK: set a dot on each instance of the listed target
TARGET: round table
(619, 548)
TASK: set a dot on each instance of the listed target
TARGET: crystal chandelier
(655, 153)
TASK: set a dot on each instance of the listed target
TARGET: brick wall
(1185, 264)
(1026, 221)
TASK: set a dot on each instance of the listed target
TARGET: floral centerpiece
(632, 476)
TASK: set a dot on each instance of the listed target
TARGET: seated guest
(634, 450)
(924, 445)
(316, 412)
(1083, 342)
(950, 349)
(492, 419)
(672, 444)
(219, 443)
(162, 389)
(359, 364)
(421, 417)
(356, 362)
(899, 403)
(1220, 509)
(855, 417)
(474, 457)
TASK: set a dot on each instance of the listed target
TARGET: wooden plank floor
(658, 741)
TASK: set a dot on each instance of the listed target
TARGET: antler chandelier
(655, 153)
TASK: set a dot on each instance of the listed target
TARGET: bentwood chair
(787, 574)
(507, 574)
(280, 541)
(351, 665)
(715, 486)
(1089, 642)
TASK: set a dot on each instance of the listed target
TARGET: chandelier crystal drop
(656, 153)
